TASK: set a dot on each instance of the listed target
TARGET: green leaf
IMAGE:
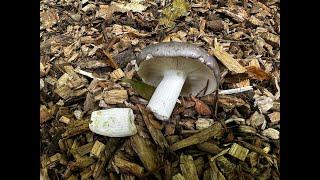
(143, 89)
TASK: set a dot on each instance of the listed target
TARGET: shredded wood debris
(88, 53)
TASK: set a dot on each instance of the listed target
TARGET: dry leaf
(49, 18)
(257, 73)
(201, 107)
(226, 59)
(237, 13)
(230, 102)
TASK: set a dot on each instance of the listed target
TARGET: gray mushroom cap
(202, 69)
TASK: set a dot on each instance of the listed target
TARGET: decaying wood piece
(127, 166)
(99, 166)
(75, 128)
(238, 151)
(156, 134)
(178, 177)
(85, 149)
(226, 59)
(97, 149)
(215, 171)
(117, 74)
(188, 167)
(209, 147)
(115, 96)
(216, 130)
(145, 152)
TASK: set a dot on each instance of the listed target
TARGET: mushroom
(114, 122)
(176, 69)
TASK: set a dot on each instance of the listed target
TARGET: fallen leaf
(171, 13)
(201, 107)
(230, 102)
(257, 73)
(226, 59)
(143, 89)
(49, 18)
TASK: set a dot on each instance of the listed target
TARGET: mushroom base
(166, 94)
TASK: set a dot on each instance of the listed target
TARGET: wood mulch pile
(87, 63)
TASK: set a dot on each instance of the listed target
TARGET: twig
(236, 90)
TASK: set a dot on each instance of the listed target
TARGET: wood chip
(115, 96)
(127, 166)
(117, 74)
(226, 59)
(215, 130)
(188, 167)
(145, 152)
(65, 120)
(274, 117)
(97, 149)
(238, 151)
(271, 133)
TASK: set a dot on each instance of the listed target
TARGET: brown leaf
(257, 73)
(201, 107)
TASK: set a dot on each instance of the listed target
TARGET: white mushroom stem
(166, 94)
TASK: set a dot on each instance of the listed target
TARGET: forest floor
(88, 50)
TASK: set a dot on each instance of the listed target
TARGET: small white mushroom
(115, 122)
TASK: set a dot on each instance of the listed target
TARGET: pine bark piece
(209, 147)
(97, 149)
(188, 167)
(226, 59)
(75, 128)
(178, 177)
(156, 134)
(145, 152)
(238, 151)
(216, 130)
(115, 96)
(127, 166)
